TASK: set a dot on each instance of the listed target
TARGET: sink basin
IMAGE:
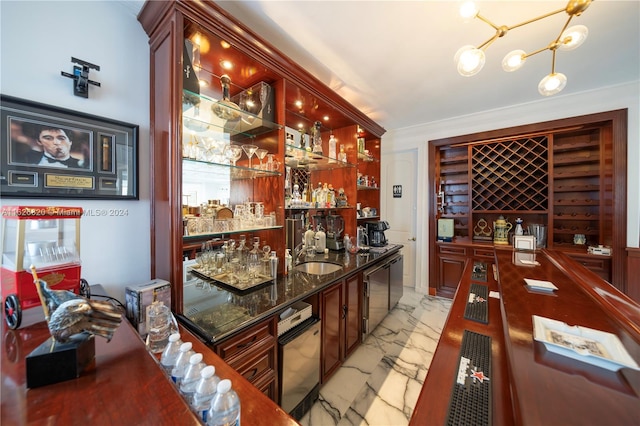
(317, 268)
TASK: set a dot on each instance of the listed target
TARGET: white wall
(605, 99)
(38, 40)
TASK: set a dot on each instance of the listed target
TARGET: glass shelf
(368, 217)
(319, 208)
(300, 158)
(194, 237)
(225, 170)
(366, 158)
(198, 116)
(365, 187)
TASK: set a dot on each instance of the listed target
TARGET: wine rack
(511, 175)
(454, 187)
(576, 188)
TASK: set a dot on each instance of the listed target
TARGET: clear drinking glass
(158, 326)
(233, 153)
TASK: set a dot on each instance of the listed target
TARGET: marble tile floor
(380, 383)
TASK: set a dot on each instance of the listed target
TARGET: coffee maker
(375, 230)
(335, 226)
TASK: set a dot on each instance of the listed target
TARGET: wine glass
(249, 150)
(233, 153)
(261, 153)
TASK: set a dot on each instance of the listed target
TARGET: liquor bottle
(342, 156)
(317, 139)
(332, 149)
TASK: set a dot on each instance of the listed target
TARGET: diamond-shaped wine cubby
(511, 175)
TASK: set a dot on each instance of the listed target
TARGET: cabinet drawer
(246, 341)
(596, 264)
(484, 253)
(599, 265)
(457, 250)
(257, 366)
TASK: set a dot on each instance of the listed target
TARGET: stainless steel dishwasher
(396, 284)
(300, 367)
(376, 297)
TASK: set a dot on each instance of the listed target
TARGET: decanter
(317, 139)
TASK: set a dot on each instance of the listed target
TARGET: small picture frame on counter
(524, 242)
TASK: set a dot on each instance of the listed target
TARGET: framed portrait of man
(56, 153)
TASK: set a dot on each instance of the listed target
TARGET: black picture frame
(86, 156)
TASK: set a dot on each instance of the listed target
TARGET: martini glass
(261, 153)
(249, 150)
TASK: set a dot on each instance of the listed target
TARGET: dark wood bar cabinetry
(530, 382)
(568, 175)
(299, 101)
(341, 313)
(188, 114)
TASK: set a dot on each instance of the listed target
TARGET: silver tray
(225, 280)
(581, 343)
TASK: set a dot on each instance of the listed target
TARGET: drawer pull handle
(253, 374)
(244, 345)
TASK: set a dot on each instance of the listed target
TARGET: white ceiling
(394, 59)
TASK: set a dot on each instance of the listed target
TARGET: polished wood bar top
(549, 388)
(433, 403)
(530, 384)
(125, 385)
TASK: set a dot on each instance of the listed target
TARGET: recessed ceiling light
(225, 64)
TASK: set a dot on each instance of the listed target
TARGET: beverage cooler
(382, 291)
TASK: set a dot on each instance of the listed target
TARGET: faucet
(297, 251)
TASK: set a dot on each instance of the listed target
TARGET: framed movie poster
(51, 152)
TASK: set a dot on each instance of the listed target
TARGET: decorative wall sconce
(471, 59)
(80, 77)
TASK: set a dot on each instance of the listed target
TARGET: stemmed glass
(261, 153)
(249, 150)
(233, 153)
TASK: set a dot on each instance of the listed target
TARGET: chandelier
(470, 59)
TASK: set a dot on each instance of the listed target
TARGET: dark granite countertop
(215, 313)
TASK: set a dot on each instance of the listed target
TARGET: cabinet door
(353, 320)
(332, 329)
(449, 274)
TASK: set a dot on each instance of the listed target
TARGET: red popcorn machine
(47, 238)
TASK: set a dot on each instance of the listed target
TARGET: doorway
(399, 208)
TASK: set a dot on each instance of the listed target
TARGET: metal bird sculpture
(68, 314)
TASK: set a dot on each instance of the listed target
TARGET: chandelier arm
(536, 19)
(553, 62)
(528, 55)
(483, 19)
(562, 30)
(488, 42)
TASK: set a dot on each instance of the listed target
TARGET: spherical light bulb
(573, 37)
(468, 10)
(469, 60)
(514, 60)
(552, 84)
